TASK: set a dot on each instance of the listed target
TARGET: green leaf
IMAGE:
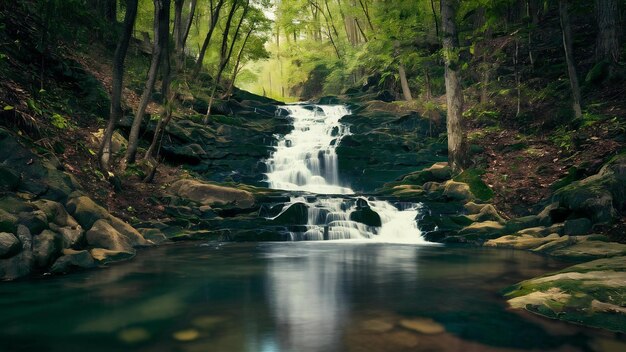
(8, 107)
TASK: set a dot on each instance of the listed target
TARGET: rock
(9, 245)
(186, 335)
(103, 235)
(21, 264)
(9, 179)
(591, 250)
(431, 187)
(86, 211)
(46, 248)
(590, 294)
(36, 221)
(153, 235)
(518, 224)
(577, 227)
(294, 214)
(457, 191)
(8, 222)
(56, 213)
(366, 216)
(423, 326)
(486, 229)
(72, 260)
(134, 237)
(104, 256)
(118, 142)
(441, 171)
(210, 194)
(521, 242)
(72, 237)
(473, 208)
(488, 213)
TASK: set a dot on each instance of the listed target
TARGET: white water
(305, 160)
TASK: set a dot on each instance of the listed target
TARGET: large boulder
(211, 194)
(104, 256)
(73, 260)
(9, 244)
(47, 247)
(365, 215)
(36, 221)
(8, 222)
(21, 264)
(56, 213)
(599, 197)
(86, 211)
(457, 191)
(9, 179)
(103, 235)
(294, 214)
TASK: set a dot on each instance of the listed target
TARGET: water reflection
(310, 288)
(314, 296)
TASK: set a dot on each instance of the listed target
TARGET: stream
(350, 281)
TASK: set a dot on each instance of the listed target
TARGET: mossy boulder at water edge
(366, 216)
(599, 197)
(293, 214)
(592, 294)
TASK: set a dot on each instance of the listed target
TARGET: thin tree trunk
(569, 56)
(226, 54)
(517, 78)
(238, 62)
(215, 13)
(189, 22)
(607, 43)
(406, 91)
(168, 96)
(178, 35)
(429, 90)
(115, 111)
(432, 5)
(454, 94)
(162, 14)
(367, 14)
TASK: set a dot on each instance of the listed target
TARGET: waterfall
(305, 160)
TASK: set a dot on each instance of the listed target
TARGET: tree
(569, 56)
(161, 33)
(104, 153)
(454, 94)
(215, 13)
(607, 43)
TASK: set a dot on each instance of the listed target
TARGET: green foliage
(563, 138)
(59, 121)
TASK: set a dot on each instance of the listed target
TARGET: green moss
(473, 177)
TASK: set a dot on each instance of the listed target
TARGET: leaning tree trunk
(569, 56)
(454, 94)
(406, 91)
(161, 30)
(607, 43)
(168, 99)
(115, 112)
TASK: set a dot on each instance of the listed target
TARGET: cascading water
(305, 160)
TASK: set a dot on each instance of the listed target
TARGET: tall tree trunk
(569, 56)
(432, 5)
(607, 43)
(178, 35)
(168, 99)
(161, 30)
(115, 112)
(238, 62)
(454, 94)
(406, 91)
(226, 53)
(215, 13)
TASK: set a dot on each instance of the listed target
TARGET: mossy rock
(590, 294)
(473, 177)
(457, 191)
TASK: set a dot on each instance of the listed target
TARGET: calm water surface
(305, 296)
